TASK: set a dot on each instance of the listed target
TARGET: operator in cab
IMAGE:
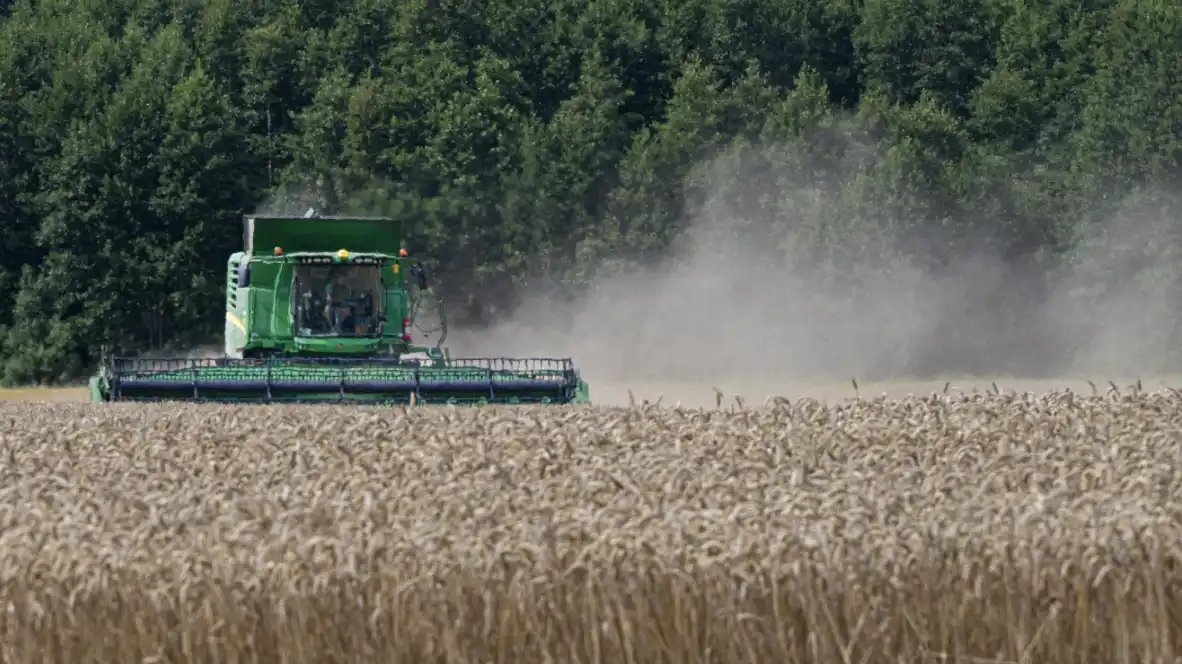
(349, 301)
(337, 300)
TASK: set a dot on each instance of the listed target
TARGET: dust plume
(1118, 304)
(200, 352)
(293, 197)
(749, 292)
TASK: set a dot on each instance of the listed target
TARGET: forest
(537, 145)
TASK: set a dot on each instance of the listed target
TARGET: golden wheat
(945, 529)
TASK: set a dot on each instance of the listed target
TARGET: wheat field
(969, 528)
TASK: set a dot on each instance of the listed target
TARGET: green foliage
(541, 145)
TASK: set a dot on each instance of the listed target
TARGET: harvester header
(324, 309)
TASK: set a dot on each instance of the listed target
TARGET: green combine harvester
(320, 309)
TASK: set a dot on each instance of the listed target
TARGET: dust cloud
(736, 302)
(203, 352)
(730, 305)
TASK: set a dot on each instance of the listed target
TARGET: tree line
(532, 143)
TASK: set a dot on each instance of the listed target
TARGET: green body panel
(266, 360)
(95, 388)
(236, 301)
(325, 235)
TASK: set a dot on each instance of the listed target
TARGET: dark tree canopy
(536, 145)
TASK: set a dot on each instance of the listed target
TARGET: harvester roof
(322, 234)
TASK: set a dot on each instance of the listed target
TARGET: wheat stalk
(981, 527)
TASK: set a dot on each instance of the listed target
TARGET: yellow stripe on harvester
(235, 321)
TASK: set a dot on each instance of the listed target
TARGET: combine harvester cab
(324, 314)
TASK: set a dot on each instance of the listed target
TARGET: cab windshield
(337, 300)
